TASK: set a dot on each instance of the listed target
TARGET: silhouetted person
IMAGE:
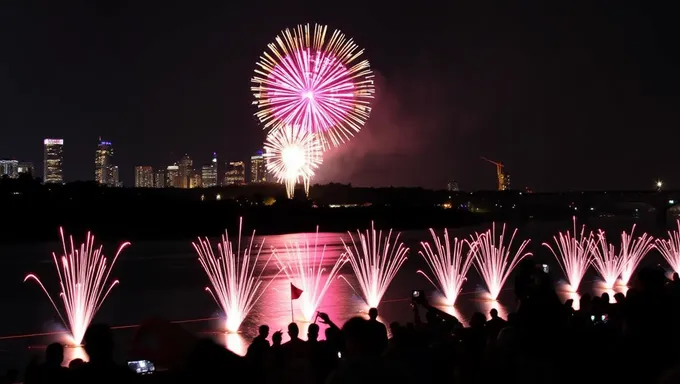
(378, 331)
(101, 368)
(360, 365)
(76, 364)
(295, 348)
(51, 370)
(259, 347)
(494, 324)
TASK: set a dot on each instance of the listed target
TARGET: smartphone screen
(142, 367)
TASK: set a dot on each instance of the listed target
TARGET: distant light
(218, 197)
(592, 209)
(54, 141)
(671, 201)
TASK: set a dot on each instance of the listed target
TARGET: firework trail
(449, 265)
(83, 279)
(316, 80)
(606, 262)
(494, 260)
(303, 265)
(292, 155)
(376, 259)
(632, 252)
(574, 254)
(670, 249)
(235, 288)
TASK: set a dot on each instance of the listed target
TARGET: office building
(209, 173)
(172, 177)
(236, 173)
(9, 168)
(159, 179)
(258, 170)
(103, 164)
(53, 161)
(195, 180)
(185, 169)
(115, 177)
(144, 176)
(26, 167)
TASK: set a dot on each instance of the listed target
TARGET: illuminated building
(453, 186)
(209, 173)
(172, 177)
(9, 168)
(103, 164)
(236, 173)
(115, 177)
(25, 167)
(258, 170)
(143, 176)
(506, 182)
(185, 170)
(195, 180)
(53, 161)
(159, 179)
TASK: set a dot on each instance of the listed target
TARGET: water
(164, 279)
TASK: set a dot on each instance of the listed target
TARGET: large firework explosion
(235, 287)
(293, 155)
(449, 265)
(605, 260)
(670, 249)
(633, 250)
(83, 279)
(315, 80)
(574, 253)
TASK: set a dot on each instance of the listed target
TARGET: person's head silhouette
(263, 331)
(373, 313)
(313, 332)
(99, 343)
(54, 354)
(277, 337)
(293, 331)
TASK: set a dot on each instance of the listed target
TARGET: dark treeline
(31, 211)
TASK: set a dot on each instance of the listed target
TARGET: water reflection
(599, 289)
(236, 343)
(72, 353)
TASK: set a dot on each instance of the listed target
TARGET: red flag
(295, 292)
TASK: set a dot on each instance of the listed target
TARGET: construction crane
(503, 178)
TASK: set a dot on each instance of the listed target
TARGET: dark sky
(569, 96)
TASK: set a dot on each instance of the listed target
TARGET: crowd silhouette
(629, 338)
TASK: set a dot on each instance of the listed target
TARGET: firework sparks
(449, 265)
(670, 249)
(83, 278)
(376, 259)
(632, 253)
(293, 155)
(605, 261)
(303, 265)
(494, 260)
(235, 288)
(316, 82)
(574, 254)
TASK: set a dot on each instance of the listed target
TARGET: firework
(306, 78)
(293, 155)
(376, 259)
(574, 254)
(605, 261)
(670, 249)
(632, 252)
(83, 279)
(303, 265)
(449, 265)
(494, 260)
(235, 288)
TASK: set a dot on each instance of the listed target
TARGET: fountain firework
(83, 275)
(449, 265)
(632, 253)
(605, 261)
(305, 270)
(574, 254)
(235, 289)
(493, 259)
(670, 249)
(375, 262)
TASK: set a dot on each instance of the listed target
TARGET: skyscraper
(236, 173)
(258, 171)
(53, 161)
(209, 173)
(115, 177)
(103, 164)
(159, 179)
(185, 168)
(172, 177)
(143, 176)
(9, 168)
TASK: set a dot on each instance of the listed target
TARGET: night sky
(569, 96)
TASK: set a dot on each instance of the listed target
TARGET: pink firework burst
(574, 253)
(670, 249)
(633, 250)
(605, 260)
(317, 82)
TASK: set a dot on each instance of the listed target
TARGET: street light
(659, 184)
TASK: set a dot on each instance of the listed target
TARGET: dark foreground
(629, 340)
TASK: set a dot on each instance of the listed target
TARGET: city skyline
(560, 104)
